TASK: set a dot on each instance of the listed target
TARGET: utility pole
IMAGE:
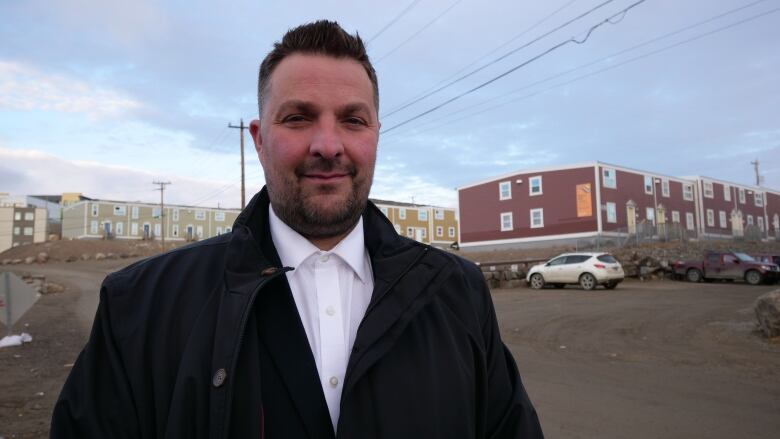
(243, 187)
(758, 176)
(162, 185)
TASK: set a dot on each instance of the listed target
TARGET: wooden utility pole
(241, 127)
(758, 176)
(162, 185)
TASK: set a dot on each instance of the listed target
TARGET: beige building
(20, 223)
(136, 220)
(429, 224)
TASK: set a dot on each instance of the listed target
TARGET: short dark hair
(321, 37)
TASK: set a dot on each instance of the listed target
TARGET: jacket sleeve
(509, 414)
(96, 401)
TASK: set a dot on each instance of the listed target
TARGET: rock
(71, 258)
(112, 256)
(51, 288)
(16, 261)
(134, 254)
(5, 262)
(100, 256)
(54, 237)
(767, 309)
(85, 257)
(42, 257)
(29, 260)
(123, 256)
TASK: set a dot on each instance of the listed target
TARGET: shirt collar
(293, 248)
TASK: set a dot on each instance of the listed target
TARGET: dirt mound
(60, 251)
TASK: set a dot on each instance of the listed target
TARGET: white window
(156, 212)
(28, 231)
(200, 215)
(451, 232)
(535, 185)
(611, 213)
(120, 229)
(219, 216)
(134, 213)
(18, 216)
(93, 227)
(726, 192)
(410, 232)
(650, 214)
(710, 218)
(708, 193)
(120, 210)
(402, 213)
(30, 216)
(199, 231)
(17, 230)
(676, 217)
(760, 223)
(175, 214)
(537, 218)
(384, 210)
(157, 229)
(422, 215)
(689, 221)
(750, 220)
(438, 214)
(439, 231)
(609, 178)
(94, 209)
(506, 221)
(505, 190)
(758, 199)
(422, 232)
(723, 220)
(134, 229)
(219, 231)
(176, 230)
(742, 196)
(648, 184)
(688, 192)
(665, 188)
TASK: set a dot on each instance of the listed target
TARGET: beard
(312, 211)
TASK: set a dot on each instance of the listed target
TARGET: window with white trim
(611, 212)
(219, 216)
(219, 231)
(688, 192)
(93, 227)
(157, 229)
(120, 228)
(200, 215)
(156, 212)
(94, 209)
(410, 232)
(134, 229)
(422, 215)
(535, 185)
(609, 178)
(750, 220)
(175, 230)
(537, 218)
(648, 184)
(438, 214)
(710, 218)
(650, 215)
(423, 232)
(17, 230)
(134, 212)
(18, 216)
(723, 220)
(451, 232)
(506, 221)
(758, 199)
(726, 192)
(689, 224)
(439, 231)
(120, 210)
(28, 231)
(760, 223)
(175, 214)
(676, 217)
(29, 216)
(741, 196)
(708, 192)
(383, 210)
(402, 213)
(505, 190)
(665, 188)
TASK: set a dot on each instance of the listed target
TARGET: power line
(630, 60)
(515, 68)
(500, 58)
(419, 31)
(392, 22)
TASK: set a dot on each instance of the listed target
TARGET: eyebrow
(309, 108)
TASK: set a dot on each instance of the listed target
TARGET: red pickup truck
(727, 265)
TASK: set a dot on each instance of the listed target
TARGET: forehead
(308, 77)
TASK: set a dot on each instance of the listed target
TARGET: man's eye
(294, 118)
(355, 121)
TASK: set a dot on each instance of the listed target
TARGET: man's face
(316, 140)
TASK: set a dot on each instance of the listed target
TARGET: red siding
(718, 203)
(480, 207)
(772, 212)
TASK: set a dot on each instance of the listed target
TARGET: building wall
(6, 228)
(74, 224)
(481, 206)
(718, 203)
(773, 214)
(24, 225)
(40, 227)
(411, 223)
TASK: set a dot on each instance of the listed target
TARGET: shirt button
(324, 258)
(330, 311)
(333, 381)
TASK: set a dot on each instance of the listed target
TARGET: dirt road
(648, 360)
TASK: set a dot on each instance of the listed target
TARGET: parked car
(727, 265)
(586, 269)
(767, 258)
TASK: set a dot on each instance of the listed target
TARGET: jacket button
(219, 378)
(269, 271)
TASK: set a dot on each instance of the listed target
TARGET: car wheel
(610, 285)
(753, 277)
(587, 281)
(693, 275)
(537, 281)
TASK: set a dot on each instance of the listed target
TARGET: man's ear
(254, 130)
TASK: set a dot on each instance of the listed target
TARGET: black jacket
(205, 342)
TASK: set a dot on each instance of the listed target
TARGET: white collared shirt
(331, 291)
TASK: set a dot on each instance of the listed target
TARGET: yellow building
(429, 224)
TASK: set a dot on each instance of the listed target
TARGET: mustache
(323, 165)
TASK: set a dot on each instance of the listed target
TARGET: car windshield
(607, 258)
(743, 257)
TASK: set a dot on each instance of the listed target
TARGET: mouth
(326, 177)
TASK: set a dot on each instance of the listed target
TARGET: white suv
(586, 269)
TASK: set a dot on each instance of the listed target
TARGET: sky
(104, 97)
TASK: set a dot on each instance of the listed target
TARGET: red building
(600, 199)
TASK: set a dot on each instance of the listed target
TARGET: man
(313, 319)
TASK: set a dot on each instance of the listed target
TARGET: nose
(326, 141)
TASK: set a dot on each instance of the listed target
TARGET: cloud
(23, 88)
(394, 182)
